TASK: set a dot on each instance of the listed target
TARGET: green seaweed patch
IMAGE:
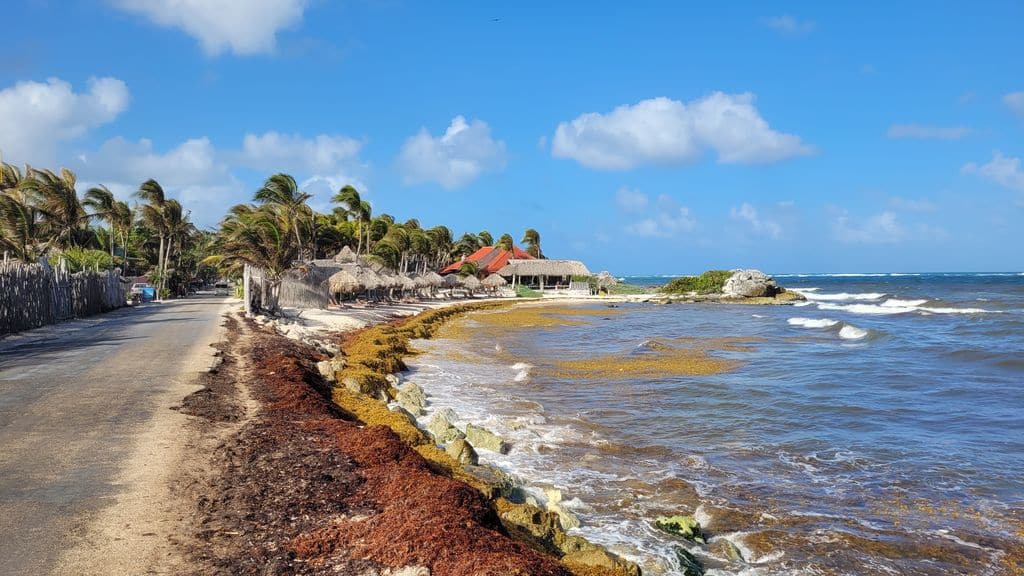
(686, 527)
(656, 363)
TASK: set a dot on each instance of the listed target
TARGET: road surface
(76, 401)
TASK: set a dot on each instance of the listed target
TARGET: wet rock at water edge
(750, 284)
(485, 439)
(725, 548)
(462, 452)
(688, 563)
(411, 397)
(685, 527)
(441, 427)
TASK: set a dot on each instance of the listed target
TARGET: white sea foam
(899, 307)
(897, 303)
(850, 332)
(843, 296)
(812, 322)
(802, 304)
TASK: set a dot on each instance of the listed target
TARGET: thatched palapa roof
(433, 279)
(346, 256)
(344, 282)
(452, 280)
(493, 281)
(544, 268)
(471, 282)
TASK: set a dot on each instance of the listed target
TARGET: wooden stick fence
(33, 295)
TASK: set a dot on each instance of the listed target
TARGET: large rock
(441, 427)
(462, 452)
(567, 519)
(750, 284)
(688, 563)
(600, 558)
(411, 397)
(485, 439)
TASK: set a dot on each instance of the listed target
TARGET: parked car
(145, 292)
(221, 289)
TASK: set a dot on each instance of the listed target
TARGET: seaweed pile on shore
(366, 382)
(327, 480)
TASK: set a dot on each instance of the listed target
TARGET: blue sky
(655, 139)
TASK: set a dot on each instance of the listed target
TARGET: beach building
(546, 275)
(488, 260)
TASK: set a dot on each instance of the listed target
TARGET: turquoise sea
(877, 428)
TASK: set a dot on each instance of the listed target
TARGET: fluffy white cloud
(241, 26)
(631, 200)
(1002, 170)
(454, 159)
(1015, 102)
(273, 151)
(668, 220)
(789, 25)
(755, 223)
(882, 228)
(206, 178)
(36, 116)
(670, 132)
(193, 172)
(922, 132)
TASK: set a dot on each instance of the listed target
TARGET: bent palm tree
(104, 207)
(54, 196)
(531, 238)
(282, 190)
(348, 197)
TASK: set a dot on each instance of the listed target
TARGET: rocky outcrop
(688, 563)
(567, 519)
(750, 284)
(485, 439)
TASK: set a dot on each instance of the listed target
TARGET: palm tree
(20, 229)
(151, 214)
(355, 207)
(441, 245)
(104, 206)
(261, 237)
(531, 238)
(56, 199)
(485, 238)
(283, 191)
(505, 242)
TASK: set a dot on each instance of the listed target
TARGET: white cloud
(789, 25)
(206, 178)
(668, 221)
(754, 222)
(669, 132)
(922, 132)
(241, 26)
(631, 200)
(454, 159)
(193, 172)
(1015, 102)
(35, 117)
(273, 151)
(882, 228)
(1003, 170)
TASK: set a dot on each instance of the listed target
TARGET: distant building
(546, 274)
(488, 260)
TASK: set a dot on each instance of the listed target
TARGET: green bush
(525, 292)
(622, 289)
(709, 282)
(79, 259)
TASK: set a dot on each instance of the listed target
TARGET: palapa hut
(493, 282)
(547, 274)
(344, 282)
(346, 256)
(471, 283)
(434, 279)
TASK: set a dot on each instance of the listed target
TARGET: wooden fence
(300, 288)
(33, 295)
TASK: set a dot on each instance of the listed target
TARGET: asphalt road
(72, 398)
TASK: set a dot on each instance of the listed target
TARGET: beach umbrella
(605, 279)
(452, 280)
(434, 279)
(471, 282)
(421, 281)
(407, 283)
(343, 282)
(494, 281)
(368, 279)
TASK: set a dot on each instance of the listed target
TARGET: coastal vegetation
(43, 214)
(709, 282)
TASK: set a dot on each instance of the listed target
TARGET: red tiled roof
(489, 259)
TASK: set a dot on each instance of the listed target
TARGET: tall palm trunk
(359, 233)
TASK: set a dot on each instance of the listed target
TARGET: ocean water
(876, 429)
